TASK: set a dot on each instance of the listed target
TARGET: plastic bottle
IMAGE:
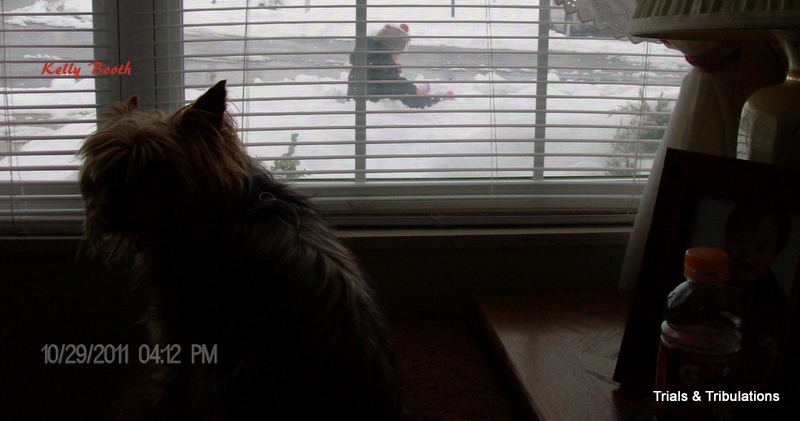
(700, 340)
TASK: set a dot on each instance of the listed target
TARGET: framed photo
(749, 209)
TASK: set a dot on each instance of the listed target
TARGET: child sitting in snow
(382, 53)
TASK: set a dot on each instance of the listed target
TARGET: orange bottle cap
(706, 264)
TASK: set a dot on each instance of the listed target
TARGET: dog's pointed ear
(132, 103)
(122, 108)
(213, 102)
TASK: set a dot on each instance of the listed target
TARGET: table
(561, 350)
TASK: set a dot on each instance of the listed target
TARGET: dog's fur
(232, 258)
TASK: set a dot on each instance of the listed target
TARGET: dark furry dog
(235, 259)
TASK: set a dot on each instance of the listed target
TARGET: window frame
(361, 203)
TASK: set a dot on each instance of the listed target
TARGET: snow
(59, 6)
(393, 118)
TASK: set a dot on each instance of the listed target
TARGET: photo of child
(762, 244)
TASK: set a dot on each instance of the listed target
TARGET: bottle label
(681, 373)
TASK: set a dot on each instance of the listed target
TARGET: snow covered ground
(409, 157)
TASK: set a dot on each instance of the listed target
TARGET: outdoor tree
(288, 164)
(647, 121)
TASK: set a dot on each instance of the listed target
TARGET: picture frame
(697, 196)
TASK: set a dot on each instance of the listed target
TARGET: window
(547, 118)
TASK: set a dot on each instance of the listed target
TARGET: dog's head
(146, 177)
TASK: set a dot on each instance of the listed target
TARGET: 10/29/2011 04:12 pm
(99, 354)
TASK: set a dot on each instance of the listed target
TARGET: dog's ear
(132, 103)
(213, 103)
(122, 108)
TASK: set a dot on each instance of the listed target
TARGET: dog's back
(253, 274)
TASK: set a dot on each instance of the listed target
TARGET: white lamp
(713, 20)
(769, 130)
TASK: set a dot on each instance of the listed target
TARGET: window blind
(49, 103)
(545, 118)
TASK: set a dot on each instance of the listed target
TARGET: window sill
(476, 237)
(419, 238)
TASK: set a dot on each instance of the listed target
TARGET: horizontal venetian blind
(49, 100)
(546, 115)
(547, 118)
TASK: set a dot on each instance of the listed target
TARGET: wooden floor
(561, 350)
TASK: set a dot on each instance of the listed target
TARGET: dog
(232, 258)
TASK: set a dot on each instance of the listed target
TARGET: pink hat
(394, 38)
